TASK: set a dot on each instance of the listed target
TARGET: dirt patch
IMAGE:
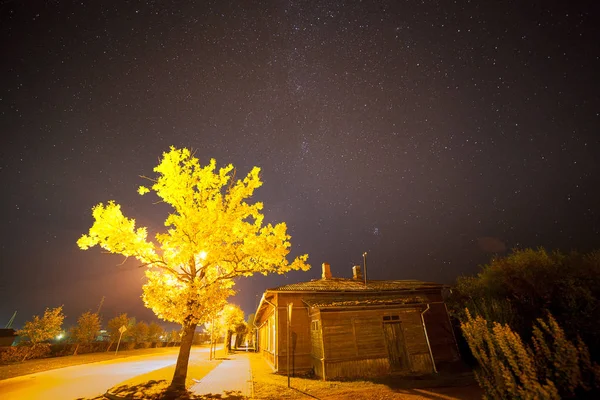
(445, 386)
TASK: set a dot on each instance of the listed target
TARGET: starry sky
(430, 134)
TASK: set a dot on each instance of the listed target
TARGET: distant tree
(41, 329)
(174, 336)
(241, 330)
(86, 331)
(214, 235)
(155, 331)
(523, 286)
(250, 333)
(215, 323)
(201, 337)
(139, 332)
(223, 323)
(113, 327)
(232, 321)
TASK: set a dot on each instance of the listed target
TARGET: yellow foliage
(214, 234)
(43, 328)
(182, 301)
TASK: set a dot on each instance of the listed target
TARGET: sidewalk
(233, 378)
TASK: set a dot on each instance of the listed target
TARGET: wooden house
(344, 328)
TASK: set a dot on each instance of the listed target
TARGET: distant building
(341, 328)
(7, 337)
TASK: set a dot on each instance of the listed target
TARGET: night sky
(431, 134)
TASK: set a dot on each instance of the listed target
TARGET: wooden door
(394, 340)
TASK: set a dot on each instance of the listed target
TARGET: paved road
(88, 380)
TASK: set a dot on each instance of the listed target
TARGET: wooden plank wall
(263, 338)
(353, 340)
(316, 338)
(357, 369)
(368, 338)
(301, 346)
(355, 344)
(440, 334)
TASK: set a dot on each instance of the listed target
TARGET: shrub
(21, 353)
(520, 287)
(554, 368)
(40, 329)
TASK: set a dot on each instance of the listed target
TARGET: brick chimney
(326, 271)
(356, 273)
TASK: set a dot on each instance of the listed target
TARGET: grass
(153, 384)
(46, 364)
(445, 386)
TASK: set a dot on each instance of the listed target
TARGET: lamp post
(365, 266)
(289, 320)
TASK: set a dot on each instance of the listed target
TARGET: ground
(268, 385)
(150, 382)
(46, 364)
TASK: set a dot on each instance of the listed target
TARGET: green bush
(522, 286)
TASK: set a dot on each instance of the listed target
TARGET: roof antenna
(365, 266)
(100, 306)
(10, 322)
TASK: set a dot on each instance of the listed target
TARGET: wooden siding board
(355, 335)
(357, 368)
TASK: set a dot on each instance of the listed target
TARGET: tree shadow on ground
(452, 375)
(159, 390)
(228, 395)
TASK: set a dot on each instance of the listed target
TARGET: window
(273, 335)
(314, 325)
(391, 318)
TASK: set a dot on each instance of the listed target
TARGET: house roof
(374, 289)
(362, 302)
(353, 285)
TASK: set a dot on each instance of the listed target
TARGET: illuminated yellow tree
(86, 331)
(222, 321)
(213, 235)
(233, 318)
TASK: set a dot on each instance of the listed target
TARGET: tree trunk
(212, 334)
(28, 352)
(178, 382)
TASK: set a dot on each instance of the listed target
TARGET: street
(88, 380)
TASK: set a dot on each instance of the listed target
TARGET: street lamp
(365, 266)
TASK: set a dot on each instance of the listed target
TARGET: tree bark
(178, 382)
(212, 334)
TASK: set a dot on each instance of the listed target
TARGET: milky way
(429, 134)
